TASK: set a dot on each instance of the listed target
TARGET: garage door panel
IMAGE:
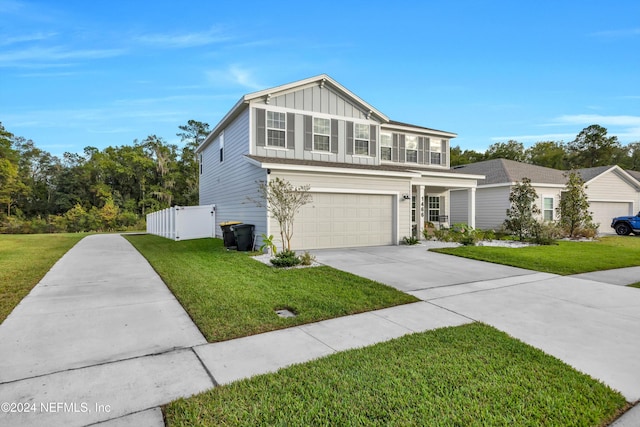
(603, 212)
(335, 220)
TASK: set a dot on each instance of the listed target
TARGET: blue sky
(99, 73)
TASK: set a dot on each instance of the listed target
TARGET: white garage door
(335, 220)
(603, 212)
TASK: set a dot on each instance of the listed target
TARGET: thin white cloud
(48, 56)
(603, 120)
(7, 41)
(184, 40)
(536, 138)
(234, 75)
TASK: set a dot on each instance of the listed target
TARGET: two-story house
(372, 180)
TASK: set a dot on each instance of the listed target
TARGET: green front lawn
(24, 260)
(472, 375)
(635, 285)
(229, 295)
(565, 258)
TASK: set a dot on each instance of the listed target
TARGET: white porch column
(471, 207)
(420, 211)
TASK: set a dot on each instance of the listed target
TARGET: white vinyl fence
(183, 222)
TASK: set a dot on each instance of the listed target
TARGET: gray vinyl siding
(611, 187)
(229, 184)
(314, 99)
(300, 128)
(491, 207)
(458, 206)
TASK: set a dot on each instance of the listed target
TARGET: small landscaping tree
(283, 201)
(521, 215)
(574, 205)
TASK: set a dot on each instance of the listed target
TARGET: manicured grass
(472, 375)
(564, 258)
(229, 295)
(635, 285)
(24, 260)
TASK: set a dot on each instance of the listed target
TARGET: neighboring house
(611, 192)
(373, 180)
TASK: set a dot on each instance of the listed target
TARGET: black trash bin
(244, 236)
(228, 237)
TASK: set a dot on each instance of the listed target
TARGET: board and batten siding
(611, 187)
(315, 99)
(300, 129)
(229, 184)
(354, 184)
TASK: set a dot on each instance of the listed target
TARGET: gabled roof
(323, 80)
(503, 171)
(635, 174)
(589, 173)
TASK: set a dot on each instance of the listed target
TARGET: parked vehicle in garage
(625, 225)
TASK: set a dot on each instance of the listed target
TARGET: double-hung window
(435, 152)
(433, 206)
(547, 208)
(361, 139)
(321, 134)
(385, 146)
(411, 149)
(276, 129)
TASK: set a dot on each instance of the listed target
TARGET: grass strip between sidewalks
(472, 375)
(564, 258)
(229, 295)
(24, 260)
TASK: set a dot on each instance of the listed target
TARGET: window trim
(406, 148)
(544, 209)
(430, 209)
(283, 130)
(438, 152)
(356, 139)
(222, 147)
(327, 135)
(390, 146)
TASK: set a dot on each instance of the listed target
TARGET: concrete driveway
(584, 321)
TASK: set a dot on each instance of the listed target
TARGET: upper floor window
(222, 147)
(385, 146)
(435, 152)
(276, 129)
(200, 161)
(411, 146)
(321, 134)
(361, 139)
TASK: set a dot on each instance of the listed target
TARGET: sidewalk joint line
(211, 377)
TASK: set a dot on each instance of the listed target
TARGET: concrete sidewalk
(101, 339)
(100, 330)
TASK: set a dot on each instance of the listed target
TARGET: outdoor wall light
(406, 197)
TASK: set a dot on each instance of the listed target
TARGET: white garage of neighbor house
(611, 191)
(373, 181)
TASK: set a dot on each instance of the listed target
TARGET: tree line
(98, 190)
(114, 188)
(591, 147)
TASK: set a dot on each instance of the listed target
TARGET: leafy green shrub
(411, 240)
(285, 258)
(306, 258)
(546, 233)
